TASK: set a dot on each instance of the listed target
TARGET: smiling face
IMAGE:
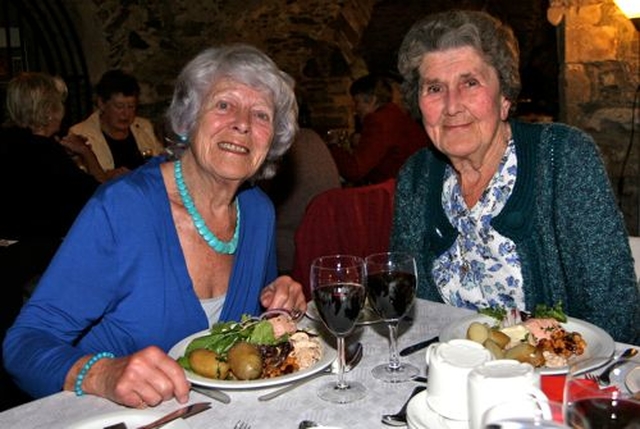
(234, 130)
(463, 110)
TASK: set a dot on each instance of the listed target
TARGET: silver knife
(418, 346)
(216, 394)
(183, 413)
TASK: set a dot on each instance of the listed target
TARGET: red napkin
(553, 386)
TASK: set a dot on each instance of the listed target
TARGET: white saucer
(632, 380)
(421, 416)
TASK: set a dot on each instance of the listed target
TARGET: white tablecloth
(285, 412)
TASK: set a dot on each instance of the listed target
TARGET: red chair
(355, 221)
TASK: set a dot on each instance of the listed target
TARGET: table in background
(285, 412)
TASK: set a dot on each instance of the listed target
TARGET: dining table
(426, 320)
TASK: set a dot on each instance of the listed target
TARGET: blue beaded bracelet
(87, 366)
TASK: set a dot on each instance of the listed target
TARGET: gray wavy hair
(245, 64)
(491, 38)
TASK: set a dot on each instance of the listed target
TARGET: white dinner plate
(132, 418)
(328, 356)
(599, 343)
(421, 416)
(366, 317)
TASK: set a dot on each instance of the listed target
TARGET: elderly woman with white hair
(170, 248)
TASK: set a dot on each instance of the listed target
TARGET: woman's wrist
(85, 370)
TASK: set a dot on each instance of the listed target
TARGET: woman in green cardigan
(500, 212)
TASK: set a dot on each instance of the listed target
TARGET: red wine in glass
(604, 413)
(391, 288)
(337, 285)
(339, 305)
(391, 293)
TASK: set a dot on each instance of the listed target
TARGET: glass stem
(394, 357)
(342, 384)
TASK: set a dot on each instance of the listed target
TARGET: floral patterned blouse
(482, 268)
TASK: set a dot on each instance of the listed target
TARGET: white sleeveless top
(212, 308)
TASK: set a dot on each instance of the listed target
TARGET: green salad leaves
(542, 311)
(223, 335)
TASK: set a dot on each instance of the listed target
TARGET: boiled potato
(525, 352)
(499, 337)
(494, 348)
(245, 361)
(478, 332)
(207, 363)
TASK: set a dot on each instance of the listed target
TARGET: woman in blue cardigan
(170, 248)
(504, 213)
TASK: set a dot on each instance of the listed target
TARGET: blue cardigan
(119, 282)
(562, 216)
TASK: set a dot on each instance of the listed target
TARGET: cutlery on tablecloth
(213, 393)
(400, 418)
(418, 346)
(604, 377)
(183, 413)
(354, 355)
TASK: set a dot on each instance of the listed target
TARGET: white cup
(449, 365)
(504, 380)
(524, 413)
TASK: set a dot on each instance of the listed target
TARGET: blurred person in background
(121, 140)
(388, 135)
(42, 191)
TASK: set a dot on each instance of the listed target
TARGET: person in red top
(389, 135)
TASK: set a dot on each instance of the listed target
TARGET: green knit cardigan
(562, 217)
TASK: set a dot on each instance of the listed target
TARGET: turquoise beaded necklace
(226, 247)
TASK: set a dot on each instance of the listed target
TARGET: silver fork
(592, 377)
(241, 424)
(604, 379)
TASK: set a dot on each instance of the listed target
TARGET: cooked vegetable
(207, 363)
(525, 352)
(495, 349)
(478, 332)
(245, 361)
(499, 337)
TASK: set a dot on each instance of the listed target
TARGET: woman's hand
(76, 144)
(284, 292)
(145, 378)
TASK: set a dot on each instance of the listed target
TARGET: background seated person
(389, 135)
(307, 170)
(120, 139)
(42, 191)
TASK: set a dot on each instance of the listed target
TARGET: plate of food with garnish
(252, 353)
(546, 338)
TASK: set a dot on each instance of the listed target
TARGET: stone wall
(600, 74)
(324, 45)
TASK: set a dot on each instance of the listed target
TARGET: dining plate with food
(549, 344)
(252, 353)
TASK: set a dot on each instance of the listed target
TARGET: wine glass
(590, 405)
(391, 289)
(337, 284)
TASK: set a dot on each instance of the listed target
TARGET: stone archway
(41, 36)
